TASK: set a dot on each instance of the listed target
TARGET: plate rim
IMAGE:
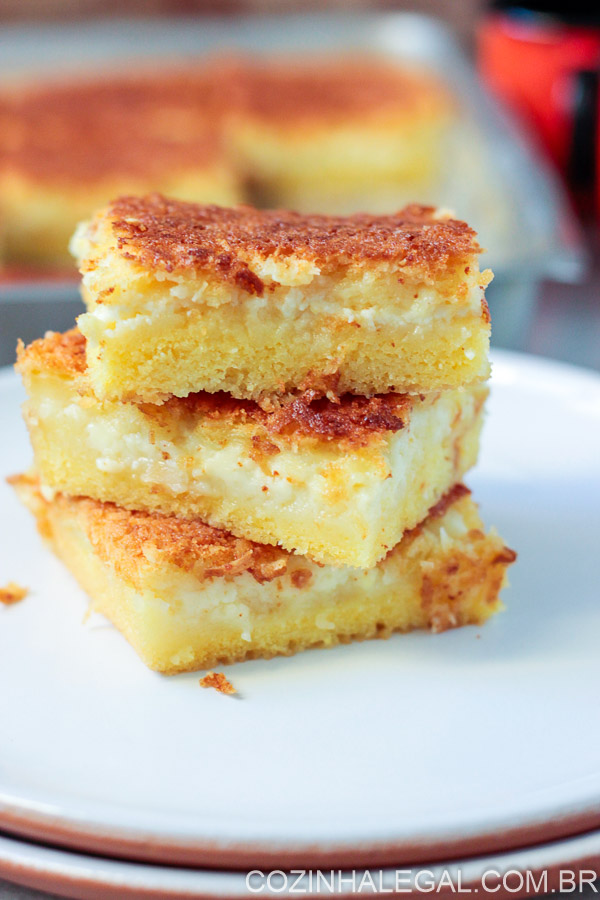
(123, 843)
(91, 878)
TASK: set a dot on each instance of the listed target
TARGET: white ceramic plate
(544, 869)
(389, 751)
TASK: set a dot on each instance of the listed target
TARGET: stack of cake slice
(255, 441)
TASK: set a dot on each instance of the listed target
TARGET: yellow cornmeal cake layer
(188, 596)
(182, 298)
(68, 147)
(339, 482)
(340, 135)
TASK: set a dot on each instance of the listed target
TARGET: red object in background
(548, 72)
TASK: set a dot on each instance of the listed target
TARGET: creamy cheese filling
(200, 462)
(347, 495)
(422, 308)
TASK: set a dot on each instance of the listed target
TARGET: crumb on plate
(218, 681)
(12, 593)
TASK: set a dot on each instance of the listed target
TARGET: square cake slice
(67, 147)
(183, 298)
(337, 481)
(189, 596)
(355, 132)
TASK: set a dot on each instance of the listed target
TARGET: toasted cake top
(337, 91)
(123, 537)
(119, 126)
(230, 244)
(346, 420)
(137, 123)
(120, 122)
(57, 353)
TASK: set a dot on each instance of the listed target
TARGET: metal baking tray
(497, 180)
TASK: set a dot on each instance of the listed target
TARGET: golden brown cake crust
(124, 537)
(284, 91)
(60, 353)
(172, 235)
(351, 420)
(348, 420)
(444, 503)
(128, 125)
(135, 123)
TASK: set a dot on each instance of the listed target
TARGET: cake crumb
(12, 593)
(218, 681)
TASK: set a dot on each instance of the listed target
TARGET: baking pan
(494, 178)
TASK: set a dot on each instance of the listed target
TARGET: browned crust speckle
(219, 682)
(347, 420)
(12, 593)
(301, 577)
(452, 496)
(437, 511)
(172, 235)
(129, 539)
(485, 311)
(506, 557)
